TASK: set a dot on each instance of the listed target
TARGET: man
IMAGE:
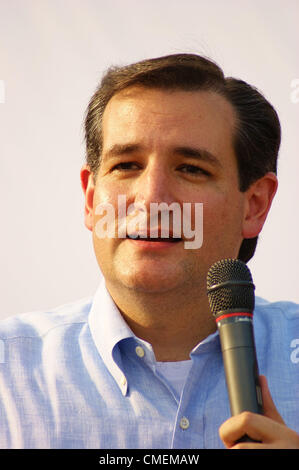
(140, 365)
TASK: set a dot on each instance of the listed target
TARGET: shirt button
(139, 351)
(123, 381)
(184, 423)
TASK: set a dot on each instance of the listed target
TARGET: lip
(145, 244)
(154, 244)
(141, 234)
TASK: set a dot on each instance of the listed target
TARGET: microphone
(230, 292)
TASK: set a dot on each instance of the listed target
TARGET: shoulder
(274, 311)
(39, 323)
(276, 324)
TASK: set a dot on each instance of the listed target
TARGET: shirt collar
(108, 328)
(208, 344)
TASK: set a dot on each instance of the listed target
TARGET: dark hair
(257, 135)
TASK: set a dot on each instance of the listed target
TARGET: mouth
(155, 239)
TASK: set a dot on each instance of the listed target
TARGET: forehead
(199, 116)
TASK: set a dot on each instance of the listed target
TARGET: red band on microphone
(235, 314)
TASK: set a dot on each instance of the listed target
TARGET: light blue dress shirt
(73, 378)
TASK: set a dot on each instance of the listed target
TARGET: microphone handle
(240, 365)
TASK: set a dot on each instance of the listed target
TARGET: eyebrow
(118, 150)
(122, 149)
(198, 154)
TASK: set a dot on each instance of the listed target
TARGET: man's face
(168, 146)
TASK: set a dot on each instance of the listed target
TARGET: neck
(172, 322)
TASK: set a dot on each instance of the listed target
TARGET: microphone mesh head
(230, 287)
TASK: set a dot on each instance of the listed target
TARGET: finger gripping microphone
(231, 297)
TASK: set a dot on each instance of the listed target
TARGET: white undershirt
(175, 373)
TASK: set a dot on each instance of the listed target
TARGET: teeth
(170, 239)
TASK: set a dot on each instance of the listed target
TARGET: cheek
(222, 216)
(109, 191)
(105, 194)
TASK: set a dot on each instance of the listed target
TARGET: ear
(259, 198)
(87, 183)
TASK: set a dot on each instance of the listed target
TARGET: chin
(150, 282)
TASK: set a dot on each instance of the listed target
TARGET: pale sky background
(52, 56)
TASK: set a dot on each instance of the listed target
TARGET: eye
(123, 166)
(193, 169)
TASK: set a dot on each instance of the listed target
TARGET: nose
(155, 184)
